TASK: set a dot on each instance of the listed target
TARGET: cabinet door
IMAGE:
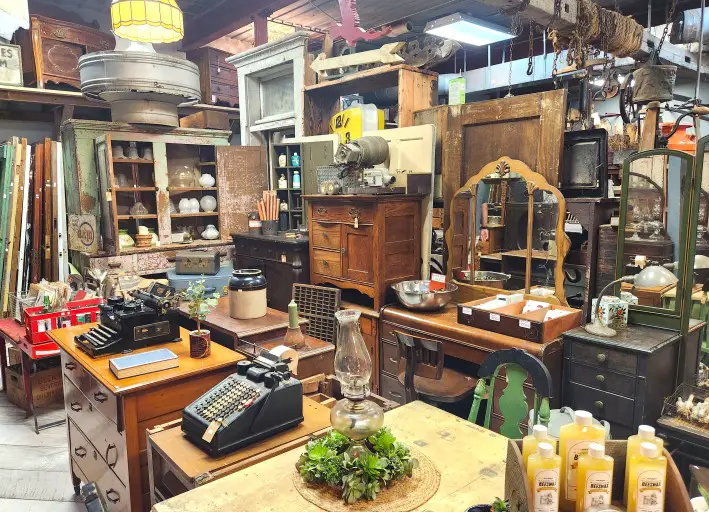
(109, 213)
(241, 178)
(358, 253)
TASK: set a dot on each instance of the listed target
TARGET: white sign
(10, 65)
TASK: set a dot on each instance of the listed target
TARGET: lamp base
(598, 329)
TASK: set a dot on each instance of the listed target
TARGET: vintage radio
(197, 262)
(150, 317)
(258, 401)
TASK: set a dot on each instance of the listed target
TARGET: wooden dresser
(364, 243)
(459, 341)
(108, 417)
(625, 379)
(217, 78)
(51, 50)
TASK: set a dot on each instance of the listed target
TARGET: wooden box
(46, 386)
(648, 296)
(518, 490)
(510, 321)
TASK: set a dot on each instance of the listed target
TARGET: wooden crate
(46, 386)
(518, 490)
(176, 465)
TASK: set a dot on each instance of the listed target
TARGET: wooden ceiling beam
(231, 15)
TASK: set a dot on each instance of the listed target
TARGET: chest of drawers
(624, 379)
(217, 78)
(51, 50)
(108, 417)
(364, 243)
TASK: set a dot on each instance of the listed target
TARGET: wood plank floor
(34, 469)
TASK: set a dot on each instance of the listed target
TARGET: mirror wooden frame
(678, 318)
(535, 181)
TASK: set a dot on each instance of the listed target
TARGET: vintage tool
(258, 401)
(197, 262)
(149, 318)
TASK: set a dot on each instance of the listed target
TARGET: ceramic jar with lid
(247, 294)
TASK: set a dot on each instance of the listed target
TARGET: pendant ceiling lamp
(147, 21)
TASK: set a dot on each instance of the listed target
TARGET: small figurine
(282, 181)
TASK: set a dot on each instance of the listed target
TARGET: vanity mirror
(507, 234)
(656, 235)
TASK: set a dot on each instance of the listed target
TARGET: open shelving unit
(291, 195)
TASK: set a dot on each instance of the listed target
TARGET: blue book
(142, 363)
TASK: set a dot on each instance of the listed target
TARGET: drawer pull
(598, 404)
(59, 33)
(396, 394)
(113, 496)
(354, 213)
(325, 264)
(322, 211)
(114, 264)
(325, 236)
(80, 451)
(391, 359)
(601, 358)
(71, 366)
(76, 406)
(100, 397)
(600, 378)
(108, 450)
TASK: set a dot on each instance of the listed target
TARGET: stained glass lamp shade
(147, 21)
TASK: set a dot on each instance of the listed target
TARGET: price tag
(526, 324)
(494, 317)
(467, 311)
(438, 282)
(283, 258)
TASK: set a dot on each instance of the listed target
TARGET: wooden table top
(471, 461)
(219, 320)
(220, 357)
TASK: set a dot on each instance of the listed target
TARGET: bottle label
(546, 490)
(573, 453)
(598, 489)
(651, 492)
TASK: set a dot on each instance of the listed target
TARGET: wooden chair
(422, 373)
(318, 304)
(518, 365)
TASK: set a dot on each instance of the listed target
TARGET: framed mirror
(658, 221)
(506, 234)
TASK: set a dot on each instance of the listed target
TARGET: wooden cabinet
(176, 160)
(217, 79)
(283, 261)
(51, 50)
(365, 243)
(624, 379)
(107, 417)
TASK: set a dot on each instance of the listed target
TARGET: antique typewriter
(259, 400)
(148, 318)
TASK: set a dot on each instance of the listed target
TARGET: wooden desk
(177, 466)
(108, 417)
(229, 331)
(471, 461)
(461, 341)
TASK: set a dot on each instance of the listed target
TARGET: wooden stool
(422, 373)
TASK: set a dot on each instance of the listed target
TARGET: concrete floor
(34, 469)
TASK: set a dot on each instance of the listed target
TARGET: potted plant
(497, 506)
(200, 303)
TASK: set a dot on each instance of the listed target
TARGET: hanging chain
(554, 36)
(530, 61)
(514, 30)
(655, 56)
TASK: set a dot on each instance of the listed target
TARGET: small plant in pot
(200, 303)
(497, 506)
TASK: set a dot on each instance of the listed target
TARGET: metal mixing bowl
(417, 295)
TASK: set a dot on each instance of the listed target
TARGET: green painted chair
(512, 404)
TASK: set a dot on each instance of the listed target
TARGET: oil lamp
(354, 416)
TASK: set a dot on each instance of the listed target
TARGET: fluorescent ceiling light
(466, 29)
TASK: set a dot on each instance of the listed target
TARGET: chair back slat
(418, 357)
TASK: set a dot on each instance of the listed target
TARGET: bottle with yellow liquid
(574, 439)
(646, 434)
(529, 443)
(595, 478)
(543, 472)
(647, 474)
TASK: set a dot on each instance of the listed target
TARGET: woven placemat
(402, 496)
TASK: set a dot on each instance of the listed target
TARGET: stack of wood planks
(32, 217)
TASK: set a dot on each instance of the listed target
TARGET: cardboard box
(46, 386)
(206, 119)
